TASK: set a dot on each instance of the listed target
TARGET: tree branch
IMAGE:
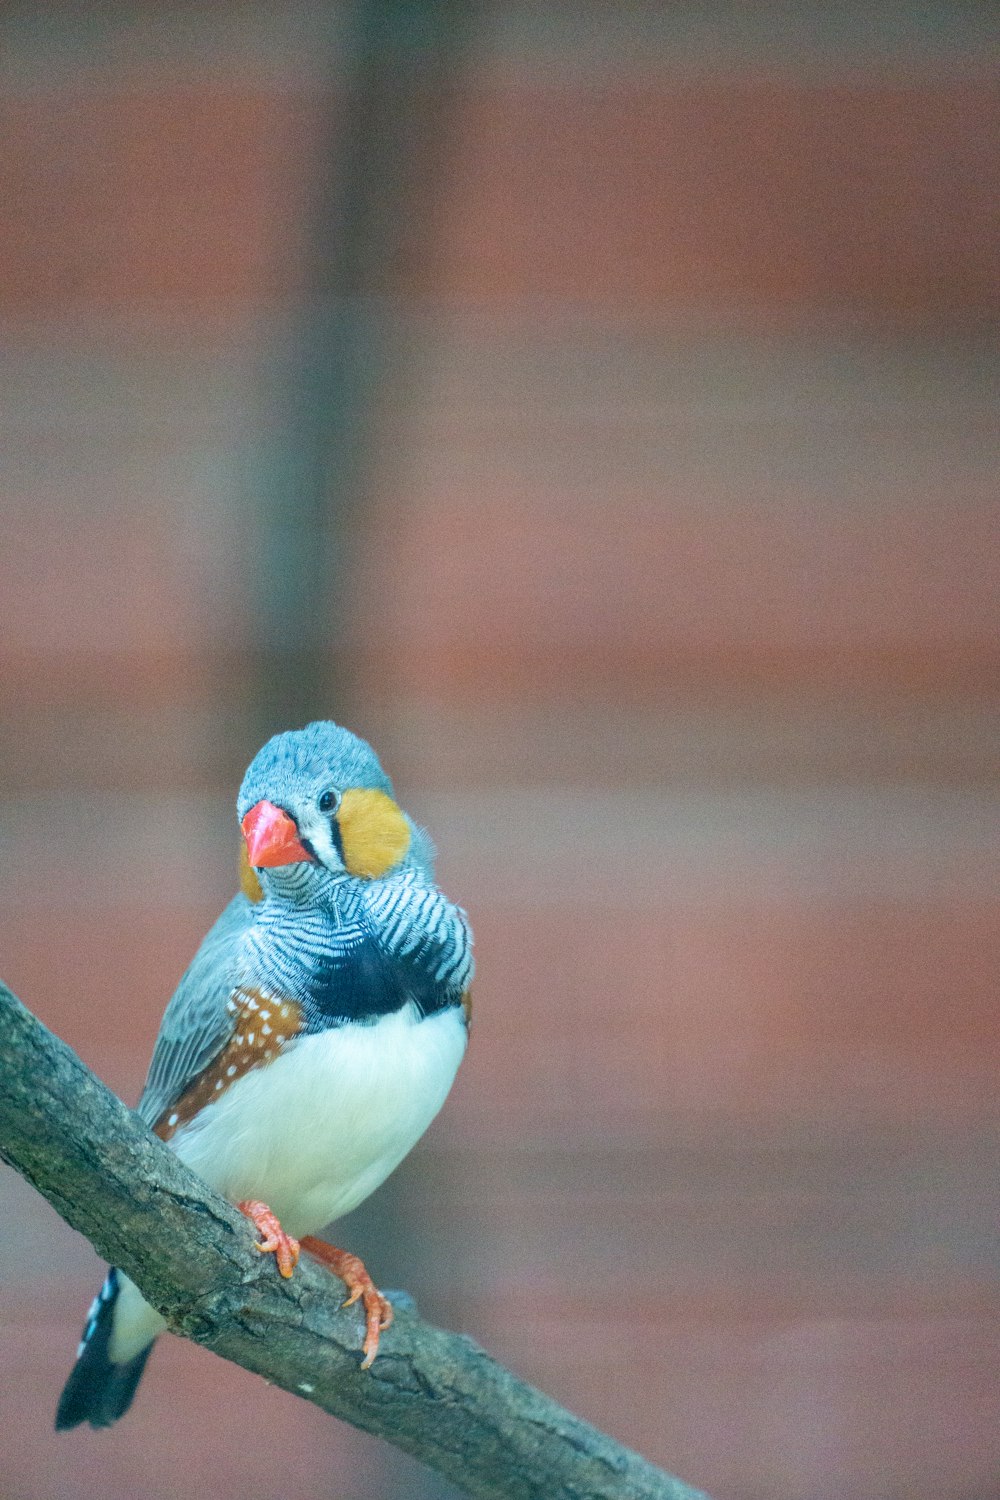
(436, 1395)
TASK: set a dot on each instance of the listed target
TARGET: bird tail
(99, 1390)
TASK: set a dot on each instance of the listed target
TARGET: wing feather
(196, 1024)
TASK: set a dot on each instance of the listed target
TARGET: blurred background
(595, 407)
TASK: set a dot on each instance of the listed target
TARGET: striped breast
(383, 945)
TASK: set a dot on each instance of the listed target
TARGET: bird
(312, 1040)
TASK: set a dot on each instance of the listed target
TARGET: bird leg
(349, 1268)
(284, 1247)
(353, 1273)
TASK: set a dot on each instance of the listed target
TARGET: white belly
(316, 1131)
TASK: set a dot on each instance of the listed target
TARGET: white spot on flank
(280, 1041)
(251, 1005)
(265, 1015)
(219, 1084)
(250, 1037)
(173, 1119)
(304, 1386)
(231, 1071)
(265, 1030)
(239, 1041)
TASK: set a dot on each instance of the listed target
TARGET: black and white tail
(98, 1390)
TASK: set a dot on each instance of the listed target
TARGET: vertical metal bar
(385, 128)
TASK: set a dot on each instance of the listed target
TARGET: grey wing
(196, 1024)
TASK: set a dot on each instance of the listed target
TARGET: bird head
(316, 803)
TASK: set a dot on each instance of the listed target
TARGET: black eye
(329, 801)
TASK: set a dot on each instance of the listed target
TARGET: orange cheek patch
(249, 884)
(262, 1025)
(374, 834)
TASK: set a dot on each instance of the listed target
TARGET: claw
(284, 1247)
(353, 1273)
(350, 1268)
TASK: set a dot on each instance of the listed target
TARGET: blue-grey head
(319, 797)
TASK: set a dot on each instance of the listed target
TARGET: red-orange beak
(272, 837)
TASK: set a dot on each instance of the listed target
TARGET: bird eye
(329, 801)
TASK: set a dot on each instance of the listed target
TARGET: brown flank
(262, 1025)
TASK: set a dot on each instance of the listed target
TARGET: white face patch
(317, 829)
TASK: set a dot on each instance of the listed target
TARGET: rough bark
(435, 1394)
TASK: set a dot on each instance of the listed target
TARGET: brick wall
(672, 609)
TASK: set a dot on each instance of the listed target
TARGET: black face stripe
(338, 842)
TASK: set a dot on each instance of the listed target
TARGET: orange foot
(352, 1272)
(284, 1247)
